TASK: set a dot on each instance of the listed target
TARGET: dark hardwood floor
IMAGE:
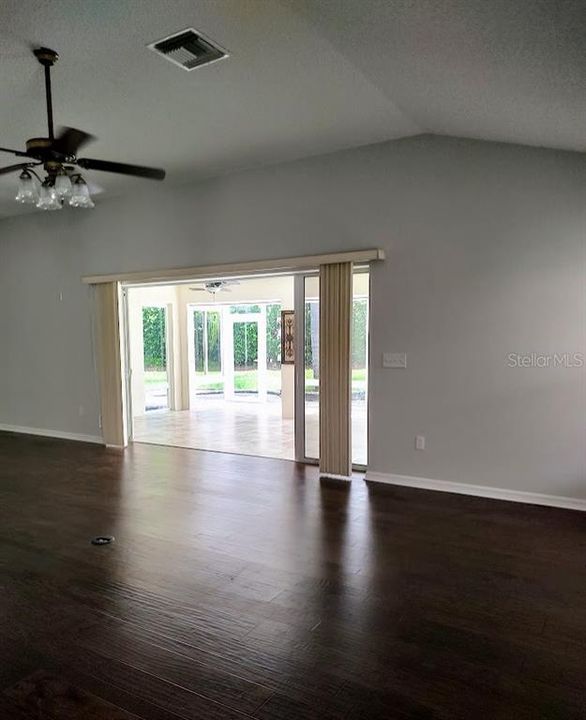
(244, 588)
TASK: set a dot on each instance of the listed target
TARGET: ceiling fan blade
(14, 168)
(13, 152)
(70, 140)
(122, 168)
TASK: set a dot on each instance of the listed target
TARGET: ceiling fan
(58, 156)
(216, 286)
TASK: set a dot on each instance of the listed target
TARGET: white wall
(486, 252)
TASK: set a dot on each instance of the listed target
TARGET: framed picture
(287, 337)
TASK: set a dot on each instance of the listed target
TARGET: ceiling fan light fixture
(63, 186)
(28, 193)
(48, 198)
(80, 194)
(59, 154)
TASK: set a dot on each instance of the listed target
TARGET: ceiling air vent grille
(189, 49)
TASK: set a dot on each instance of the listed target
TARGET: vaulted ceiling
(303, 77)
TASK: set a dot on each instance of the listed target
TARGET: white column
(135, 333)
(175, 355)
(185, 338)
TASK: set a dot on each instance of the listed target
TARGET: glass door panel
(273, 353)
(311, 366)
(245, 338)
(207, 353)
(359, 363)
(156, 380)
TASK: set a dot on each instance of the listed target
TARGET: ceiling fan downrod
(48, 58)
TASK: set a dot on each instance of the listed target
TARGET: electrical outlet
(394, 360)
(420, 442)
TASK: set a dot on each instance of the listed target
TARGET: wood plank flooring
(241, 587)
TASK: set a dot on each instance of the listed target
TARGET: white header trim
(251, 268)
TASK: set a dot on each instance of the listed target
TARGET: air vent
(189, 49)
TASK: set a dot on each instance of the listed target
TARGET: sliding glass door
(206, 371)
(308, 370)
(359, 364)
(310, 340)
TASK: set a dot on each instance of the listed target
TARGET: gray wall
(486, 252)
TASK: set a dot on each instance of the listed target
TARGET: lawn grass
(155, 377)
(243, 379)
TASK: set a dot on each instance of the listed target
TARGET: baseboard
(477, 490)
(59, 434)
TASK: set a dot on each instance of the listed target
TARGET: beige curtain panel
(335, 302)
(107, 330)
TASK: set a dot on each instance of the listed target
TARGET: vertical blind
(335, 301)
(109, 363)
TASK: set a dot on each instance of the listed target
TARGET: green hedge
(154, 335)
(246, 338)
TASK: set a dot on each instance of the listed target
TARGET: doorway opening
(206, 365)
(217, 381)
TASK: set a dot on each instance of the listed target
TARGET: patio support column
(175, 356)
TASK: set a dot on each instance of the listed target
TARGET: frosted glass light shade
(28, 193)
(63, 186)
(80, 195)
(48, 198)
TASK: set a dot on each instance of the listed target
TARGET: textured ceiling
(304, 77)
(506, 70)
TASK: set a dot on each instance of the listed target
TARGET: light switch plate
(394, 360)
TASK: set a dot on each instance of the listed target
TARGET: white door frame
(192, 308)
(298, 267)
(299, 305)
(127, 369)
(228, 321)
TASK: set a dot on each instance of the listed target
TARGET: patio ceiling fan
(58, 156)
(216, 286)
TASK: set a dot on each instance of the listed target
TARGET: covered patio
(241, 426)
(207, 371)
